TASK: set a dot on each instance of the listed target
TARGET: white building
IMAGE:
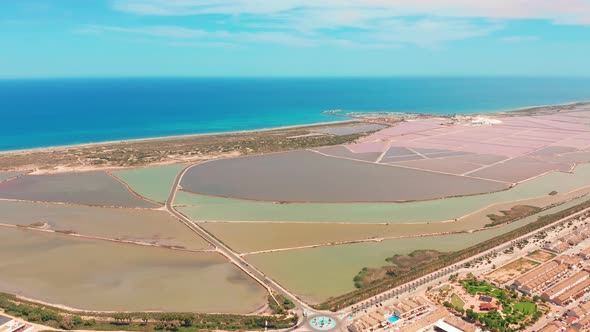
(8, 324)
(454, 324)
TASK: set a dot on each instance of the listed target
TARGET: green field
(205, 208)
(151, 182)
(526, 308)
(456, 301)
(481, 288)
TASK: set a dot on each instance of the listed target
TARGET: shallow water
(8, 175)
(151, 182)
(91, 188)
(147, 226)
(221, 209)
(256, 236)
(96, 275)
(318, 273)
(305, 176)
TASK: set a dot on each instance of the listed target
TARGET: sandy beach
(173, 137)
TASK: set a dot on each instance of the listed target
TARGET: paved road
(230, 254)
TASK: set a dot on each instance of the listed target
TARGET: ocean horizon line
(304, 77)
(55, 113)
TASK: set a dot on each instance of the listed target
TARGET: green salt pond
(257, 236)
(151, 182)
(319, 273)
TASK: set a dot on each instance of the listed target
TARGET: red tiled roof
(487, 306)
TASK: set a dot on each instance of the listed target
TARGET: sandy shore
(174, 137)
(533, 107)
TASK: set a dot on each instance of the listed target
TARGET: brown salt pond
(255, 236)
(95, 275)
(147, 226)
(305, 176)
(91, 188)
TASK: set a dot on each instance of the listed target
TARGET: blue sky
(89, 38)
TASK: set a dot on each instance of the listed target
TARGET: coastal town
(498, 291)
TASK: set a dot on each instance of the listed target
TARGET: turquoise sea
(40, 113)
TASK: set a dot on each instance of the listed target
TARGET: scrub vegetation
(400, 264)
(512, 270)
(279, 304)
(140, 321)
(517, 212)
(173, 149)
(541, 255)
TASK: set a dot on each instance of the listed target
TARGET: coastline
(299, 126)
(532, 108)
(172, 137)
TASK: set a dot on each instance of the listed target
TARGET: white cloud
(198, 44)
(354, 11)
(429, 32)
(353, 23)
(394, 33)
(520, 39)
(180, 36)
(153, 31)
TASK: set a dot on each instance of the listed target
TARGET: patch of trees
(281, 305)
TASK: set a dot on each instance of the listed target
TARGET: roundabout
(322, 323)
